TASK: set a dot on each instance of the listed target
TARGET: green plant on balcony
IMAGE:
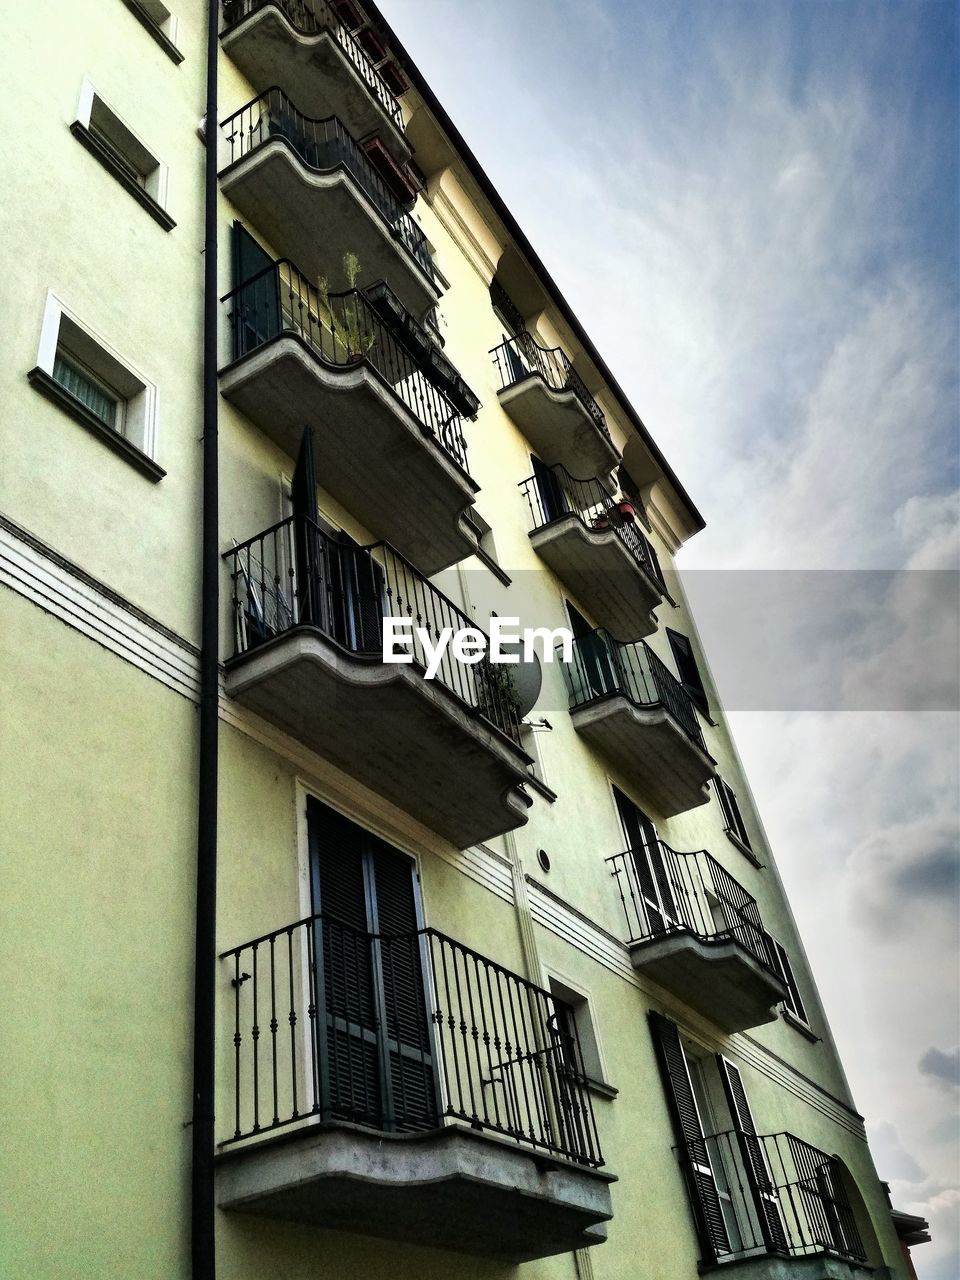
(351, 323)
(497, 696)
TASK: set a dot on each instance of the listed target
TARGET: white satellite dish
(527, 677)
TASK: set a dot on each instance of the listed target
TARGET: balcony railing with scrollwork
(400, 1033)
(554, 493)
(312, 17)
(522, 357)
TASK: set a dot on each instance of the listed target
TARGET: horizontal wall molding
(65, 591)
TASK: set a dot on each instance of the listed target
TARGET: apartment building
(503, 976)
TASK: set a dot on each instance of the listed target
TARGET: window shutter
(658, 902)
(695, 1159)
(687, 669)
(306, 548)
(731, 812)
(552, 502)
(793, 1001)
(751, 1152)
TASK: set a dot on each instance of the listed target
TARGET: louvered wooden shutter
(408, 1050)
(762, 1191)
(552, 502)
(793, 1001)
(648, 863)
(687, 668)
(346, 998)
(731, 812)
(307, 551)
(701, 1183)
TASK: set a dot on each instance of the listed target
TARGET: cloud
(905, 868)
(892, 1161)
(943, 1068)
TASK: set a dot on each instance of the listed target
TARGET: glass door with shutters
(374, 1045)
(721, 1156)
(658, 903)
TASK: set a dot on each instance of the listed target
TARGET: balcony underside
(407, 738)
(819, 1266)
(449, 1189)
(559, 427)
(648, 746)
(313, 71)
(319, 217)
(371, 453)
(603, 575)
(717, 978)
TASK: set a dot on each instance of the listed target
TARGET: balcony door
(374, 1044)
(658, 899)
(553, 502)
(594, 659)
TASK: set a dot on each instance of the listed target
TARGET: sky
(753, 209)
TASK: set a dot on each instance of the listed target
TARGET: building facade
(505, 975)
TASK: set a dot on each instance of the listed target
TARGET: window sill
(41, 381)
(100, 152)
(151, 28)
(601, 1089)
(797, 1025)
(744, 849)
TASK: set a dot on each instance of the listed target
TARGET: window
(793, 1003)
(122, 154)
(688, 670)
(159, 22)
(574, 1034)
(79, 371)
(732, 817)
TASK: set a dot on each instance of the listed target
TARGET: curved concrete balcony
(591, 541)
(634, 711)
(289, 175)
(388, 443)
(309, 613)
(459, 1119)
(695, 930)
(548, 401)
(303, 45)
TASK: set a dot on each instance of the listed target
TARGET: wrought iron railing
(663, 891)
(778, 1195)
(342, 329)
(312, 17)
(400, 1033)
(295, 574)
(554, 493)
(322, 145)
(604, 667)
(522, 357)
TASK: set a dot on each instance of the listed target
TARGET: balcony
(400, 466)
(309, 612)
(303, 45)
(548, 401)
(627, 704)
(592, 542)
(422, 1093)
(697, 932)
(289, 175)
(784, 1213)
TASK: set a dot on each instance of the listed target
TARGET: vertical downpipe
(202, 1239)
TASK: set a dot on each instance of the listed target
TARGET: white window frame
(588, 1034)
(137, 412)
(156, 180)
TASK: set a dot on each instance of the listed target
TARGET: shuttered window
(763, 1193)
(374, 1040)
(732, 817)
(688, 670)
(695, 1159)
(88, 390)
(793, 1001)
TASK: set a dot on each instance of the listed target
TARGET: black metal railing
(522, 357)
(322, 145)
(778, 1195)
(400, 1033)
(553, 493)
(604, 667)
(312, 17)
(295, 574)
(663, 891)
(342, 329)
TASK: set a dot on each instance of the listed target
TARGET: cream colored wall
(98, 776)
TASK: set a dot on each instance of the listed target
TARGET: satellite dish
(527, 677)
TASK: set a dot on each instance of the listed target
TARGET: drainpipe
(202, 1242)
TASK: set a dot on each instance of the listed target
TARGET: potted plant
(352, 325)
(625, 511)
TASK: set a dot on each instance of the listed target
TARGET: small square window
(81, 373)
(576, 1037)
(122, 154)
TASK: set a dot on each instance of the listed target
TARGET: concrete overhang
(407, 738)
(371, 453)
(818, 1266)
(559, 427)
(451, 1188)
